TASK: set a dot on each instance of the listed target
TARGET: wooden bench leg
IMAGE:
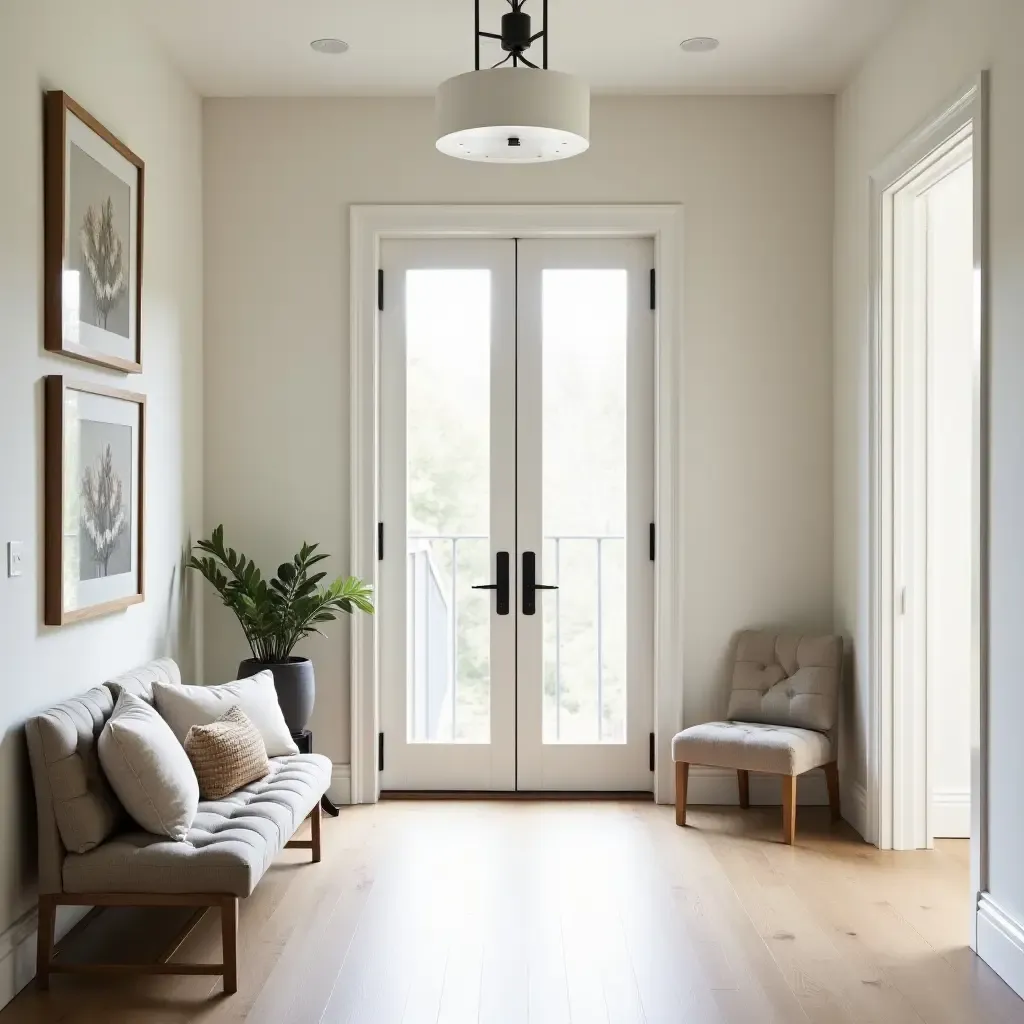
(744, 781)
(682, 775)
(789, 809)
(315, 819)
(44, 940)
(832, 780)
(229, 942)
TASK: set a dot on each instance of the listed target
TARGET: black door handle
(501, 586)
(530, 584)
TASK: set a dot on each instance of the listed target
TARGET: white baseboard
(951, 814)
(340, 790)
(18, 948)
(719, 786)
(1001, 942)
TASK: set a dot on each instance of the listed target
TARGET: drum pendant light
(514, 113)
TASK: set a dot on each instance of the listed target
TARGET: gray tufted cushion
(231, 842)
(751, 746)
(70, 784)
(787, 680)
(139, 681)
(62, 748)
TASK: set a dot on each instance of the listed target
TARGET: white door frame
(368, 226)
(896, 763)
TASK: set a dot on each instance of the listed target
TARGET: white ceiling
(261, 47)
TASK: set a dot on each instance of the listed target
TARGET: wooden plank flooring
(590, 913)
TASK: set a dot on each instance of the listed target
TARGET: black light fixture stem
(516, 46)
(544, 32)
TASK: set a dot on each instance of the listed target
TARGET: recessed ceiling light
(329, 45)
(699, 44)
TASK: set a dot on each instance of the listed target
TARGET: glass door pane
(448, 432)
(585, 330)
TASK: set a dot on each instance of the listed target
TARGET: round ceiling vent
(699, 44)
(329, 45)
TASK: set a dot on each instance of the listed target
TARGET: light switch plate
(14, 558)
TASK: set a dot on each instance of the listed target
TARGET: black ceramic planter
(295, 685)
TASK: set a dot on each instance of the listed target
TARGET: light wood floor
(584, 912)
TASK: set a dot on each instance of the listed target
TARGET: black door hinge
(380, 542)
(380, 751)
(651, 543)
(654, 289)
(652, 752)
(380, 289)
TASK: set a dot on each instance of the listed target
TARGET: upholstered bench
(92, 854)
(782, 719)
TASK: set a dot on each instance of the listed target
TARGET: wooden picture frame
(94, 190)
(94, 534)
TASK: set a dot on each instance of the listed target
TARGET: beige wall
(96, 53)
(755, 175)
(924, 61)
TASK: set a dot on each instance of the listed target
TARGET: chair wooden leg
(789, 809)
(744, 780)
(682, 776)
(229, 942)
(832, 779)
(315, 820)
(44, 940)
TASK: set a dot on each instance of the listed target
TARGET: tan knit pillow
(226, 754)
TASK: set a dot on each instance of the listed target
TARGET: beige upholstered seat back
(76, 808)
(140, 680)
(787, 680)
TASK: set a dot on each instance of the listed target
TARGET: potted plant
(276, 614)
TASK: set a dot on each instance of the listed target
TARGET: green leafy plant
(276, 614)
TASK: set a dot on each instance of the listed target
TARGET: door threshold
(476, 794)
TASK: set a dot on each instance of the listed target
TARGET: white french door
(517, 470)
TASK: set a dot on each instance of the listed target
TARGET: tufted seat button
(790, 694)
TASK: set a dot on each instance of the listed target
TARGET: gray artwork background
(94, 436)
(90, 185)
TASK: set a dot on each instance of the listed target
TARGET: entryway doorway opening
(929, 491)
(528, 359)
(517, 510)
(933, 298)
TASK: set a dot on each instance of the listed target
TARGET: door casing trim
(368, 226)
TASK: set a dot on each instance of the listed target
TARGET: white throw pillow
(185, 706)
(148, 769)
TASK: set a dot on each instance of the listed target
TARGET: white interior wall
(950, 330)
(98, 55)
(935, 48)
(756, 178)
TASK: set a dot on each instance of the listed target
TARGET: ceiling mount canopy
(517, 111)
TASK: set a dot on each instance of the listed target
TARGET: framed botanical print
(95, 488)
(94, 188)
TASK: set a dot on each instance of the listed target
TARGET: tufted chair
(782, 718)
